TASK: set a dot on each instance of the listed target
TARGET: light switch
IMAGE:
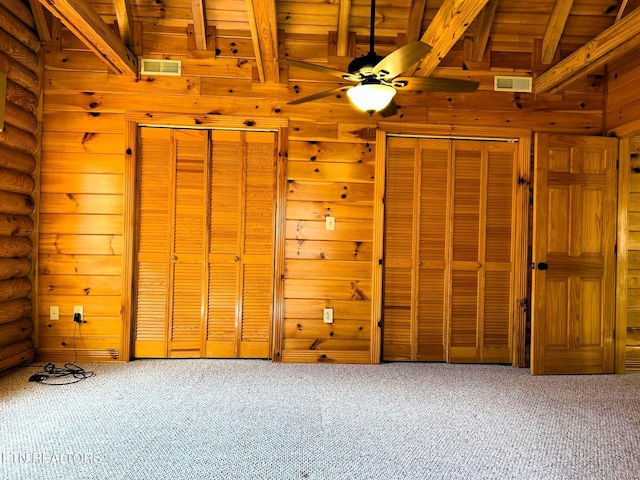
(331, 223)
(328, 315)
(54, 312)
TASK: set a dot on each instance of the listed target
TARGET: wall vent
(155, 66)
(512, 84)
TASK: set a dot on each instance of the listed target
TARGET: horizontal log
(14, 268)
(16, 182)
(20, 118)
(15, 246)
(22, 97)
(15, 288)
(18, 139)
(16, 331)
(15, 355)
(15, 310)
(18, 51)
(16, 204)
(16, 225)
(12, 25)
(17, 160)
(20, 10)
(19, 74)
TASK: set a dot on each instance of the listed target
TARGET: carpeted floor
(239, 419)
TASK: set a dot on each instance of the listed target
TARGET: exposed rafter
(416, 14)
(448, 25)
(343, 27)
(42, 24)
(80, 18)
(199, 24)
(264, 31)
(125, 21)
(616, 41)
(554, 30)
(483, 30)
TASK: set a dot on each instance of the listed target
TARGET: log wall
(19, 59)
(330, 171)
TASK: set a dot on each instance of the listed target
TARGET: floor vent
(512, 84)
(154, 66)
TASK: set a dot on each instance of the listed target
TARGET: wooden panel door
(482, 248)
(150, 337)
(574, 228)
(187, 282)
(415, 249)
(206, 248)
(241, 250)
(449, 246)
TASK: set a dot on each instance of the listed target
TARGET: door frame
(135, 121)
(523, 137)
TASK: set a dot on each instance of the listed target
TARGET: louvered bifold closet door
(481, 285)
(188, 272)
(415, 249)
(152, 259)
(241, 250)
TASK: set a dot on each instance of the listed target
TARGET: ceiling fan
(378, 78)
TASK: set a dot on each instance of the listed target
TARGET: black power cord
(68, 374)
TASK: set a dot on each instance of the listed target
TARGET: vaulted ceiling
(557, 41)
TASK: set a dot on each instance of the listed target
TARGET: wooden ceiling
(558, 41)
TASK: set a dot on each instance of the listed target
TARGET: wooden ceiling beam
(199, 24)
(416, 15)
(450, 22)
(125, 21)
(264, 32)
(80, 18)
(483, 30)
(554, 30)
(42, 22)
(344, 13)
(619, 39)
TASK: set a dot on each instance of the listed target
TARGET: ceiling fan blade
(315, 96)
(389, 110)
(435, 84)
(316, 68)
(399, 60)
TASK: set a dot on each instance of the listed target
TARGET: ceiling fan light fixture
(371, 97)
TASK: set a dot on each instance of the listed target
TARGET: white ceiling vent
(512, 84)
(154, 66)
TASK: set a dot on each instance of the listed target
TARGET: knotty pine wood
(83, 164)
(18, 146)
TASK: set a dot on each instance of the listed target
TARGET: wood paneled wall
(330, 171)
(20, 62)
(623, 98)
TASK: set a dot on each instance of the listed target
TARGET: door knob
(542, 266)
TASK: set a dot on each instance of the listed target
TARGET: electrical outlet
(54, 312)
(328, 315)
(78, 309)
(330, 223)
